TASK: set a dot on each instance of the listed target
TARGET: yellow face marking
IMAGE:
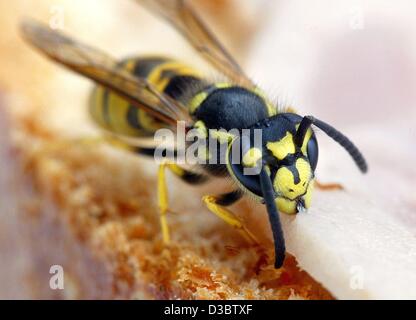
(289, 206)
(251, 157)
(308, 196)
(280, 149)
(284, 182)
(285, 205)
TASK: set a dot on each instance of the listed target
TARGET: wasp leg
(163, 200)
(217, 204)
(162, 189)
(328, 186)
(163, 197)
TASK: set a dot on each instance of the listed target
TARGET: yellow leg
(120, 144)
(229, 217)
(163, 197)
(163, 200)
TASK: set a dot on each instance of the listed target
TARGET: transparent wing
(188, 23)
(104, 70)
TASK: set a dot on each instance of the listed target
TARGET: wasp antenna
(268, 195)
(343, 141)
(302, 129)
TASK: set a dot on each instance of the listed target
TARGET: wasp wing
(104, 70)
(189, 24)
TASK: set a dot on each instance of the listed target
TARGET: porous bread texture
(102, 202)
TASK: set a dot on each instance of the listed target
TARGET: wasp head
(290, 153)
(286, 147)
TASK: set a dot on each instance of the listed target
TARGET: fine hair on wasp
(191, 143)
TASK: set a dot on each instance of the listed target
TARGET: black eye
(249, 181)
(313, 152)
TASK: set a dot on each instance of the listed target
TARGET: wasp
(137, 96)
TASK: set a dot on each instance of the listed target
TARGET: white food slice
(360, 243)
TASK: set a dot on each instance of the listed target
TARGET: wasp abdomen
(117, 115)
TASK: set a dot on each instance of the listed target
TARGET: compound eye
(313, 152)
(249, 181)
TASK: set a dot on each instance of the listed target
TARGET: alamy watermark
(357, 21)
(56, 281)
(57, 19)
(209, 146)
(357, 278)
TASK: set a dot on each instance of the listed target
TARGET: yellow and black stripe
(116, 115)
